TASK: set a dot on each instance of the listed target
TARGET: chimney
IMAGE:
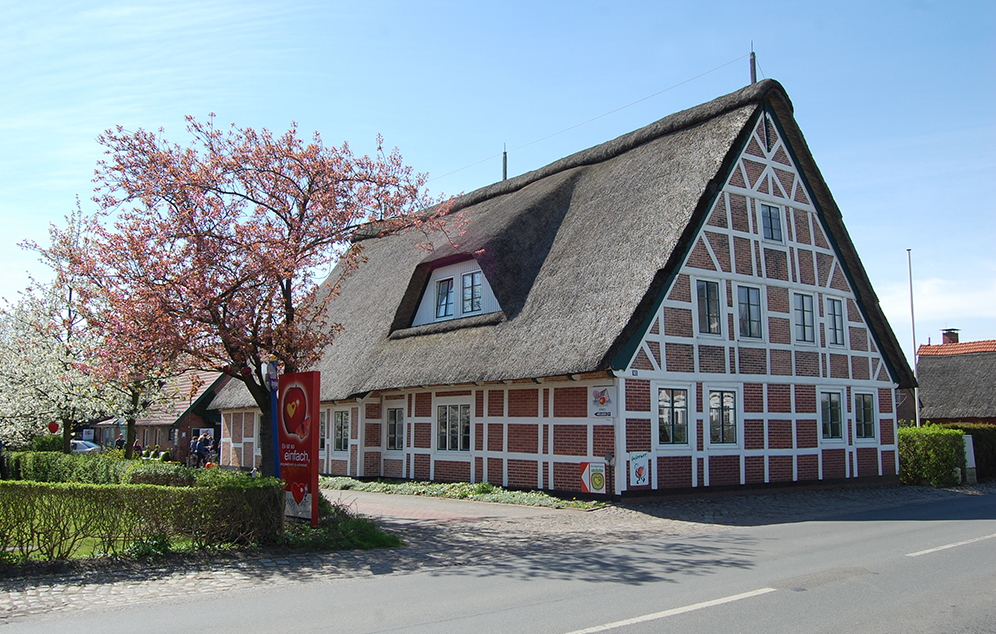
(949, 335)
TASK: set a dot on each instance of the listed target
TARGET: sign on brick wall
(593, 477)
(601, 401)
(297, 436)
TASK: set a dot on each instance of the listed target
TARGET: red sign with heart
(297, 431)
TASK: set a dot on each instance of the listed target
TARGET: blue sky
(896, 100)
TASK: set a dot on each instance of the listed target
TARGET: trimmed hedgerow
(984, 442)
(52, 520)
(929, 455)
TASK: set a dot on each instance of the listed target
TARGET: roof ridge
(963, 347)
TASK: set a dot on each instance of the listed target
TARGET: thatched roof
(577, 253)
(181, 394)
(958, 384)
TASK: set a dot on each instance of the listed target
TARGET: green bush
(53, 520)
(47, 442)
(984, 441)
(929, 455)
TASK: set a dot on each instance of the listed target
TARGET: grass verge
(479, 492)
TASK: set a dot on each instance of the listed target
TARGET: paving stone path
(507, 545)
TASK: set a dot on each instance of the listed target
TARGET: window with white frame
(472, 292)
(864, 416)
(672, 411)
(830, 417)
(749, 300)
(708, 303)
(722, 417)
(340, 430)
(395, 428)
(771, 222)
(444, 298)
(805, 319)
(835, 321)
(453, 427)
(323, 421)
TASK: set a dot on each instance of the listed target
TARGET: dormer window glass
(444, 298)
(472, 292)
(771, 222)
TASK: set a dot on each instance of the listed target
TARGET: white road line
(946, 546)
(672, 612)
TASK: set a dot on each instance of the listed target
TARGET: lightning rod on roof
(504, 162)
(753, 64)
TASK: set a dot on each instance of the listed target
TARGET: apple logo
(296, 419)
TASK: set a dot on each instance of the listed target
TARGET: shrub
(984, 441)
(929, 455)
(47, 442)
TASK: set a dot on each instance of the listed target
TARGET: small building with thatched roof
(957, 381)
(680, 307)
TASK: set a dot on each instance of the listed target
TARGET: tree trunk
(266, 440)
(130, 432)
(67, 435)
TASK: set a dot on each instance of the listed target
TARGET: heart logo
(296, 419)
(298, 491)
(291, 408)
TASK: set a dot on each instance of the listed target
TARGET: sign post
(298, 443)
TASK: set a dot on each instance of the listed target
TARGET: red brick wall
(806, 432)
(753, 397)
(867, 461)
(808, 468)
(779, 398)
(479, 403)
(753, 434)
(712, 359)
(523, 403)
(885, 432)
(604, 438)
(677, 322)
(371, 463)
(570, 402)
(372, 411)
(496, 475)
(523, 438)
(637, 395)
(776, 264)
(838, 366)
(724, 470)
(496, 437)
(570, 440)
(884, 401)
(833, 464)
(805, 399)
(680, 357)
(888, 462)
(423, 435)
(421, 466)
(522, 473)
(754, 469)
(566, 476)
(372, 435)
(720, 243)
(478, 469)
(781, 362)
(779, 468)
(479, 437)
(638, 434)
(752, 360)
(779, 330)
(394, 468)
(452, 471)
(681, 290)
(807, 363)
(339, 468)
(779, 434)
(674, 472)
(423, 404)
(353, 466)
(741, 254)
(496, 403)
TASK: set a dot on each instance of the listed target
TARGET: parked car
(85, 446)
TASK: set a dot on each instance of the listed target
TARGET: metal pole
(916, 376)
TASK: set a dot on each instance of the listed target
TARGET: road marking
(946, 546)
(673, 611)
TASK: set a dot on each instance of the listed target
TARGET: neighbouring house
(957, 380)
(169, 423)
(681, 304)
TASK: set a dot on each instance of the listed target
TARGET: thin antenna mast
(916, 390)
(504, 162)
(753, 64)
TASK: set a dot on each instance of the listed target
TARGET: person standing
(120, 442)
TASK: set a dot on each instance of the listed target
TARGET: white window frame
(448, 404)
(763, 208)
(399, 433)
(842, 401)
(707, 392)
(445, 305)
(830, 325)
(872, 423)
(477, 276)
(335, 422)
(719, 308)
(799, 313)
(760, 312)
(689, 391)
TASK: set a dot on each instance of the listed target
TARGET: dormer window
(454, 291)
(444, 298)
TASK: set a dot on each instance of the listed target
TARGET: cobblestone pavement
(510, 545)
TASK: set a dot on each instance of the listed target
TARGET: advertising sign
(297, 442)
(601, 401)
(593, 477)
(639, 468)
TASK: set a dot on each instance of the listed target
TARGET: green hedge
(98, 468)
(53, 520)
(984, 441)
(929, 455)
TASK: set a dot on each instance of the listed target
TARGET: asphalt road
(927, 567)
